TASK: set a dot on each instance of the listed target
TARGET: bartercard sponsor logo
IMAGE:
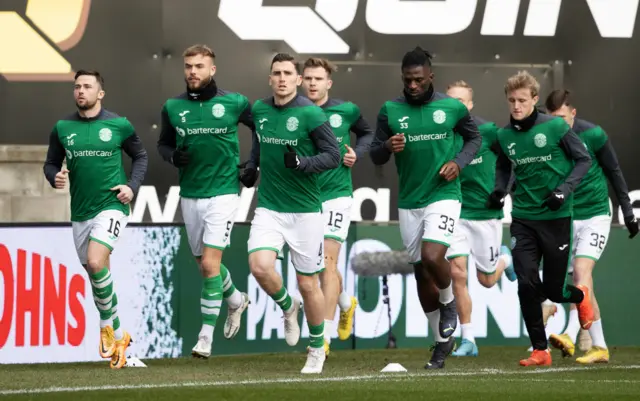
(426, 137)
(477, 160)
(278, 141)
(207, 131)
(536, 159)
(90, 153)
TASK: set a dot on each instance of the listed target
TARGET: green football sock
(283, 299)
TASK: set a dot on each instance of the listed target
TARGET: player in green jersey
(336, 190)
(92, 141)
(296, 144)
(420, 129)
(199, 136)
(478, 233)
(548, 161)
(591, 221)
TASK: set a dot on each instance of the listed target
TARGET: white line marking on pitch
(290, 380)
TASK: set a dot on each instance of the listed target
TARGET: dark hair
(416, 58)
(92, 73)
(314, 62)
(282, 57)
(557, 99)
(196, 50)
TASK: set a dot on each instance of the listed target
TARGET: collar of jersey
(205, 93)
(424, 99)
(90, 119)
(525, 124)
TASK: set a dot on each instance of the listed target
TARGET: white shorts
(337, 218)
(480, 238)
(209, 221)
(590, 238)
(105, 229)
(433, 223)
(303, 232)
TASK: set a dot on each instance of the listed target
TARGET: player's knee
(307, 284)
(259, 267)
(94, 264)
(432, 255)
(458, 273)
(210, 266)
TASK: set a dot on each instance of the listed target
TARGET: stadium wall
(586, 46)
(47, 312)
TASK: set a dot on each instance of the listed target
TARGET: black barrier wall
(137, 45)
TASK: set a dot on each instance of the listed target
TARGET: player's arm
(55, 157)
(608, 160)
(575, 150)
(167, 143)
(495, 148)
(504, 178)
(246, 118)
(328, 156)
(133, 147)
(468, 130)
(364, 136)
(382, 145)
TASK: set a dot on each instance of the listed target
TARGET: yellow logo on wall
(25, 55)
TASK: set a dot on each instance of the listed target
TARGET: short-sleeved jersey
(540, 165)
(430, 143)
(283, 189)
(336, 183)
(591, 197)
(93, 149)
(209, 131)
(478, 179)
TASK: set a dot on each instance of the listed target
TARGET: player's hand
(396, 143)
(180, 157)
(125, 193)
(450, 171)
(350, 157)
(632, 225)
(555, 200)
(291, 159)
(496, 200)
(248, 176)
(61, 178)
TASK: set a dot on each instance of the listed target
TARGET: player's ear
(329, 84)
(299, 80)
(535, 100)
(213, 71)
(573, 112)
(101, 94)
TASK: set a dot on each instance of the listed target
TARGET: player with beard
(420, 129)
(591, 221)
(199, 136)
(92, 141)
(336, 189)
(296, 145)
(548, 161)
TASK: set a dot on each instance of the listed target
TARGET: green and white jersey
(93, 149)
(344, 118)
(429, 129)
(478, 179)
(592, 194)
(303, 126)
(543, 160)
(208, 129)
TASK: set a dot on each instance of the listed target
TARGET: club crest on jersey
(540, 140)
(439, 117)
(513, 242)
(180, 132)
(335, 120)
(69, 154)
(105, 134)
(292, 124)
(217, 110)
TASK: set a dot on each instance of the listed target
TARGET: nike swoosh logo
(72, 135)
(403, 119)
(448, 329)
(563, 247)
(512, 145)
